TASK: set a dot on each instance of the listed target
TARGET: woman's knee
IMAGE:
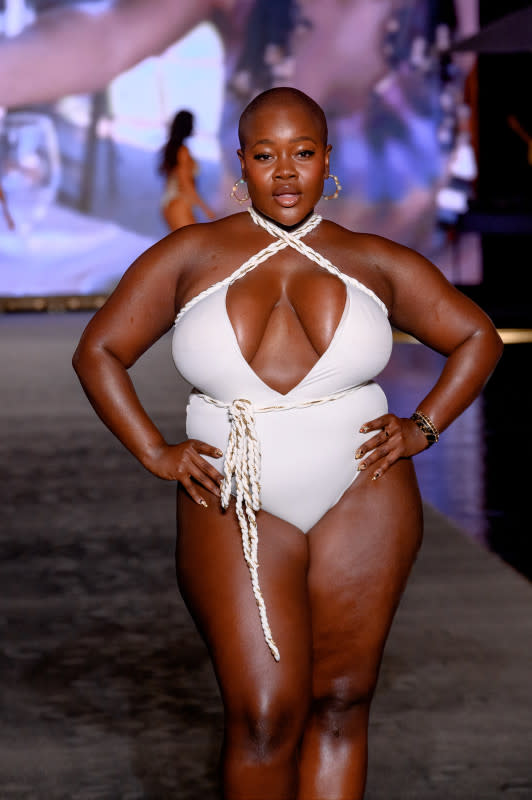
(268, 726)
(345, 703)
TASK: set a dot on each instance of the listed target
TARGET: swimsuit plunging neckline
(283, 239)
(317, 364)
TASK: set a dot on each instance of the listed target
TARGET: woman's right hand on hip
(184, 463)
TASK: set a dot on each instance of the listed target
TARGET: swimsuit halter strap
(311, 254)
(283, 239)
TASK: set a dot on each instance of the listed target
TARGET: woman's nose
(285, 168)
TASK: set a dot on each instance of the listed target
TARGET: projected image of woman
(378, 81)
(179, 170)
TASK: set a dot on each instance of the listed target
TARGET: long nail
(358, 454)
(364, 429)
(219, 453)
(375, 476)
(203, 503)
(361, 467)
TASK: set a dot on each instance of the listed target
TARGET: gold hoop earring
(235, 189)
(337, 191)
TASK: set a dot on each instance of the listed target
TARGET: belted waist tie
(242, 462)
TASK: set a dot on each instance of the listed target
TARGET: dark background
(502, 210)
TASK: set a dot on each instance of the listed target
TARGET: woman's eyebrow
(292, 141)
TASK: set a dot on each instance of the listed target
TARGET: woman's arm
(429, 308)
(81, 49)
(140, 310)
(432, 310)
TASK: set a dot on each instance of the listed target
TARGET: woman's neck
(288, 228)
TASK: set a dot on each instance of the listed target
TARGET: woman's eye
(261, 156)
(306, 153)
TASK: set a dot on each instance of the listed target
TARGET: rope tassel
(242, 461)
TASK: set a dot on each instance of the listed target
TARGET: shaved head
(281, 97)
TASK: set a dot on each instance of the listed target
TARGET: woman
(282, 352)
(179, 170)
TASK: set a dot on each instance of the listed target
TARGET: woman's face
(284, 162)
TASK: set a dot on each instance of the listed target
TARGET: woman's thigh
(215, 583)
(361, 553)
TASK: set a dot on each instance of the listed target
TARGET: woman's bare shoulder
(383, 265)
(366, 245)
(201, 236)
(177, 260)
(182, 249)
(211, 251)
(372, 250)
(217, 232)
(192, 245)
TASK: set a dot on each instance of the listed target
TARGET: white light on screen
(190, 75)
(16, 15)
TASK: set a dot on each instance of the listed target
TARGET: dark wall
(504, 196)
(505, 179)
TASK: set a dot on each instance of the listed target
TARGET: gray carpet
(106, 690)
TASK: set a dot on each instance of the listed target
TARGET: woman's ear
(240, 155)
(327, 159)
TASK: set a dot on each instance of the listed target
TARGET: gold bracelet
(426, 425)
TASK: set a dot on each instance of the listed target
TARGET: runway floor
(106, 692)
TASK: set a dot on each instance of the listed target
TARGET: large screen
(81, 131)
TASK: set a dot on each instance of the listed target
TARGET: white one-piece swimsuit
(291, 454)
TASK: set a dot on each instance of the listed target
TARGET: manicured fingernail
(219, 453)
(362, 466)
(203, 503)
(375, 476)
(358, 454)
(364, 429)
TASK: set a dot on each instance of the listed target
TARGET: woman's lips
(286, 199)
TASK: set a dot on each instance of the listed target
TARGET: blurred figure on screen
(374, 67)
(179, 170)
(5, 211)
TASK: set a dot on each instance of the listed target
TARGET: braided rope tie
(242, 462)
